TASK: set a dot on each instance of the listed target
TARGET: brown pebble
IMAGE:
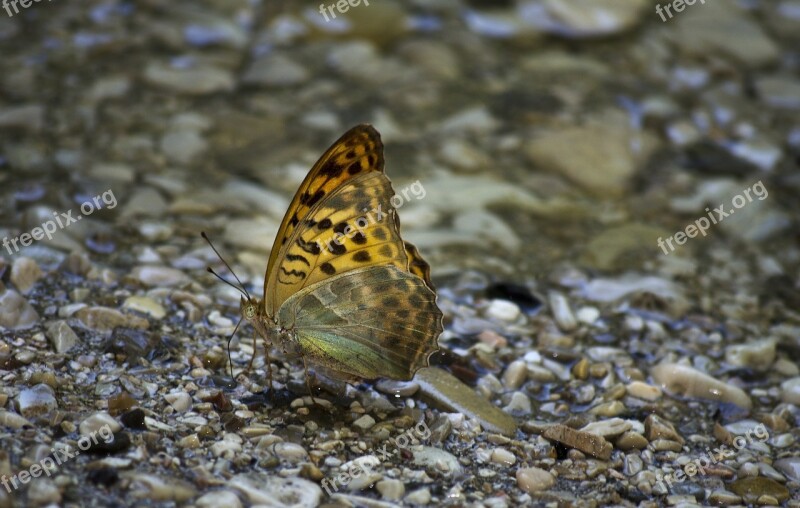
(595, 446)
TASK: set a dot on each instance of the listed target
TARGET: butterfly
(342, 289)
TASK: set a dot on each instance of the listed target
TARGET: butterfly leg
(269, 366)
(308, 380)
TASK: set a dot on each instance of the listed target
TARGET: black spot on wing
(327, 268)
(359, 238)
(310, 247)
(361, 256)
(324, 224)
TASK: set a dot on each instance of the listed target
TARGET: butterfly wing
(359, 151)
(378, 321)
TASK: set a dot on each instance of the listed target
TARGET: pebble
(25, 272)
(62, 336)
(594, 445)
(217, 498)
(607, 428)
(642, 390)
(515, 374)
(758, 354)
(145, 305)
(420, 497)
(271, 490)
(43, 492)
(196, 80)
(159, 488)
(92, 425)
(105, 320)
(790, 391)
(534, 479)
(364, 423)
(444, 462)
(275, 70)
(752, 488)
(789, 466)
(503, 310)
(290, 451)
(391, 490)
(447, 391)
(13, 420)
(503, 457)
(519, 405)
(689, 382)
(631, 441)
(183, 146)
(562, 313)
(15, 312)
(722, 497)
(181, 401)
(36, 401)
(159, 276)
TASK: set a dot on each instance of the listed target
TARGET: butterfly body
(342, 289)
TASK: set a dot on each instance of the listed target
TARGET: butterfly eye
(250, 312)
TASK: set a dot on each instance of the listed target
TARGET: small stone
(183, 146)
(61, 336)
(689, 382)
(534, 479)
(181, 401)
(190, 442)
(105, 320)
(272, 490)
(519, 405)
(444, 462)
(13, 420)
(723, 497)
(364, 423)
(159, 488)
(631, 441)
(290, 451)
(94, 423)
(644, 391)
(607, 428)
(503, 310)
(218, 498)
(595, 446)
(43, 492)
(448, 392)
(752, 488)
(658, 428)
(757, 354)
(275, 70)
(36, 401)
(391, 490)
(25, 272)
(790, 391)
(421, 497)
(515, 374)
(15, 311)
(503, 457)
(145, 305)
(562, 313)
(397, 388)
(159, 276)
(789, 466)
(197, 80)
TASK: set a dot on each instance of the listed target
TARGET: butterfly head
(249, 308)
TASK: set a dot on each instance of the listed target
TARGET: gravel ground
(609, 206)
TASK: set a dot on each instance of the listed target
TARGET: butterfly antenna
(243, 289)
(230, 360)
